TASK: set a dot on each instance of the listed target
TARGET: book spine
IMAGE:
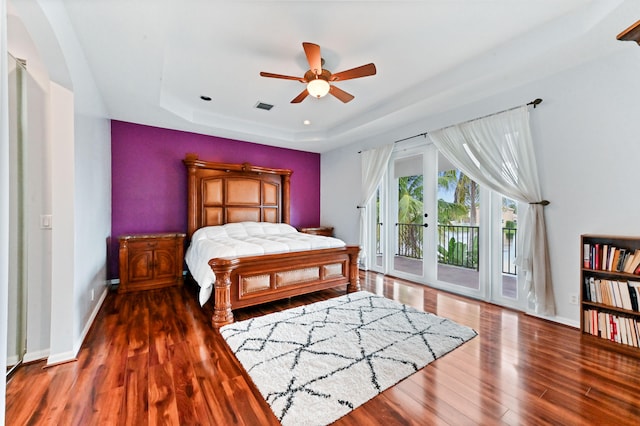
(586, 256)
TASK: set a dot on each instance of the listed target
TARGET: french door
(435, 226)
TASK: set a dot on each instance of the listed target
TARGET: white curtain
(497, 151)
(374, 164)
(4, 199)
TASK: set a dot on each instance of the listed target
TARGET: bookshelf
(610, 290)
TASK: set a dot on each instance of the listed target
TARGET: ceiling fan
(318, 80)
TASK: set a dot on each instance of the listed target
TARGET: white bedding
(245, 239)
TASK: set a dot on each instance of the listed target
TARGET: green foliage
(410, 206)
(454, 254)
(451, 212)
(511, 229)
(458, 253)
(466, 198)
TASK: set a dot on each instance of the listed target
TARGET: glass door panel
(379, 262)
(408, 212)
(376, 249)
(509, 242)
(459, 214)
(505, 289)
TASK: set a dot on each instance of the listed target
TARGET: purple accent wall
(149, 181)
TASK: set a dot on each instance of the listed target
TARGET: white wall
(587, 142)
(93, 217)
(39, 253)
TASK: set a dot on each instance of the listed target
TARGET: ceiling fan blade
(361, 71)
(340, 94)
(284, 77)
(300, 97)
(313, 57)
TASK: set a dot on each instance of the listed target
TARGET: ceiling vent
(262, 105)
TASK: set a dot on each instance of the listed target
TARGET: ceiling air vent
(262, 105)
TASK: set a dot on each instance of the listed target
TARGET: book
(598, 288)
(612, 259)
(619, 259)
(586, 256)
(633, 295)
(615, 291)
(633, 338)
(634, 288)
(625, 297)
(613, 329)
(633, 263)
(627, 260)
(588, 294)
(608, 298)
(622, 327)
(586, 317)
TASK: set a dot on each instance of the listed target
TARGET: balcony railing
(509, 244)
(410, 240)
(458, 245)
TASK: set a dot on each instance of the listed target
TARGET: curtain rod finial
(535, 102)
(542, 203)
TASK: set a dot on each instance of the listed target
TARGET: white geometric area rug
(315, 363)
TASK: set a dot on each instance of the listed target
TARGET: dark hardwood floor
(153, 358)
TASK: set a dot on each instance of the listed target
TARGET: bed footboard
(252, 280)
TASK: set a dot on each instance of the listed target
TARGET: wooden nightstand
(150, 261)
(326, 231)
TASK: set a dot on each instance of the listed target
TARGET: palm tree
(410, 209)
(410, 206)
(449, 212)
(465, 201)
(467, 194)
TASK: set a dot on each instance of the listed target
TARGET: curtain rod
(534, 102)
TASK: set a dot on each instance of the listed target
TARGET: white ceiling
(153, 59)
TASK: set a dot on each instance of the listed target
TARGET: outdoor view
(458, 230)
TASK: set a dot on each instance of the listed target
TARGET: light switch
(45, 221)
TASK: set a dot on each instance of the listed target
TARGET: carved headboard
(220, 193)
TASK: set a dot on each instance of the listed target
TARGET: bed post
(222, 314)
(354, 273)
(192, 194)
(286, 214)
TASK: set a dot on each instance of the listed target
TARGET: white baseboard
(71, 355)
(61, 358)
(89, 323)
(559, 320)
(35, 355)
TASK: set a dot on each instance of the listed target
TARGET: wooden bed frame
(220, 193)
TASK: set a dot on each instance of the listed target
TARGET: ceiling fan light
(318, 88)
